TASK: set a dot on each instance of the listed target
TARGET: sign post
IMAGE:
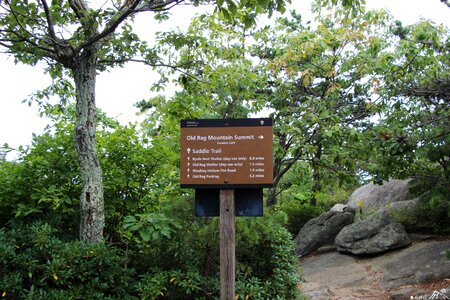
(227, 245)
(225, 155)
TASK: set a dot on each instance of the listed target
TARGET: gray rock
(393, 194)
(339, 207)
(316, 292)
(372, 236)
(421, 263)
(394, 275)
(321, 231)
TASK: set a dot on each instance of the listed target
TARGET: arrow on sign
(188, 150)
(261, 137)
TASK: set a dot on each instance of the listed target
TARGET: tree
(76, 40)
(219, 78)
(317, 82)
(413, 135)
(320, 92)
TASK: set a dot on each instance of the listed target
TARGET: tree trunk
(271, 199)
(92, 215)
(316, 175)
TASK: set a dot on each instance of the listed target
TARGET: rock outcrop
(393, 194)
(321, 231)
(416, 272)
(372, 236)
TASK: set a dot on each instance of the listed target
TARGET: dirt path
(400, 274)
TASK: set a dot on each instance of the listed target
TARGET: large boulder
(372, 236)
(321, 231)
(423, 263)
(393, 194)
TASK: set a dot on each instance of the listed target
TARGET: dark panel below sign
(248, 202)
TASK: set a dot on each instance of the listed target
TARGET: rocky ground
(420, 271)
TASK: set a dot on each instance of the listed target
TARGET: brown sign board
(226, 153)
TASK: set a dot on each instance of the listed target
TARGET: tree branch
(50, 25)
(79, 8)
(8, 43)
(129, 8)
(111, 26)
(49, 19)
(26, 38)
(158, 5)
(446, 2)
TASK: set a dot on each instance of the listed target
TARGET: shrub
(299, 214)
(432, 214)
(265, 252)
(186, 265)
(35, 264)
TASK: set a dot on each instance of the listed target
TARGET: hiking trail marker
(219, 156)
(226, 153)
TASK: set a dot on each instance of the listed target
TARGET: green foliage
(432, 214)
(137, 173)
(76, 41)
(324, 87)
(172, 284)
(267, 268)
(219, 79)
(316, 82)
(412, 138)
(35, 264)
(187, 264)
(150, 226)
(298, 214)
(352, 7)
(43, 183)
(176, 254)
(321, 82)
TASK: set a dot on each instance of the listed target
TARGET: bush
(183, 264)
(432, 214)
(265, 253)
(186, 265)
(35, 264)
(299, 214)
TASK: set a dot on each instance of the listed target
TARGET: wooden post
(227, 245)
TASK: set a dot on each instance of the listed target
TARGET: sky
(119, 89)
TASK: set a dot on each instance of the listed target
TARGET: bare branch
(122, 61)
(111, 27)
(158, 5)
(78, 8)
(130, 7)
(50, 26)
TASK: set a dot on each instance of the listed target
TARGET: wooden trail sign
(227, 154)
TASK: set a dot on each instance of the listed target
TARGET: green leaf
(146, 234)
